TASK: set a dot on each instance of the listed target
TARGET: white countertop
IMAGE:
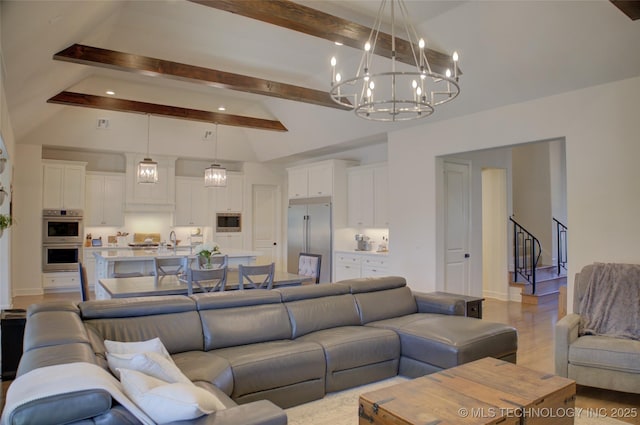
(353, 251)
(127, 254)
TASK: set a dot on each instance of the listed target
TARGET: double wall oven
(63, 234)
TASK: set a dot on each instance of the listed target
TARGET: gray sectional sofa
(260, 351)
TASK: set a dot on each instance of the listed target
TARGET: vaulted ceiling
(273, 80)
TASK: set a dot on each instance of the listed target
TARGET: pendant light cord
(148, 131)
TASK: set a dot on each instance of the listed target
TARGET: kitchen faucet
(173, 239)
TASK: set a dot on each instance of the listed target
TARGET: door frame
(441, 217)
(278, 252)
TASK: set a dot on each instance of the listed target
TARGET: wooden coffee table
(483, 392)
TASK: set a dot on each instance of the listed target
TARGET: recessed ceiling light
(110, 92)
(222, 108)
(337, 43)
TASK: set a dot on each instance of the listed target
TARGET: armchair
(599, 360)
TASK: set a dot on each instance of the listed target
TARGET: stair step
(546, 285)
(538, 298)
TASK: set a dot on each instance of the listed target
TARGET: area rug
(341, 408)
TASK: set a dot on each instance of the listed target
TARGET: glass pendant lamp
(215, 175)
(148, 168)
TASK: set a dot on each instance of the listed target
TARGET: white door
(457, 227)
(265, 224)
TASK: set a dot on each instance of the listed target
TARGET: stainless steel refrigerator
(309, 231)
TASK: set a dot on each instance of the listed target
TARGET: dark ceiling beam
(631, 8)
(123, 105)
(297, 17)
(144, 65)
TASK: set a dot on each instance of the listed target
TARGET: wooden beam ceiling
(294, 16)
(121, 61)
(123, 105)
(631, 8)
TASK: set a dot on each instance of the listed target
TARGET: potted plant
(5, 221)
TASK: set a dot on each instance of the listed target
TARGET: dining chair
(247, 272)
(309, 265)
(84, 284)
(197, 277)
(167, 266)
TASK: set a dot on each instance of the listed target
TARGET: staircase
(539, 284)
(548, 284)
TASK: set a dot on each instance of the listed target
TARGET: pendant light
(148, 168)
(215, 175)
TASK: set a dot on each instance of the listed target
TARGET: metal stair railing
(526, 254)
(561, 241)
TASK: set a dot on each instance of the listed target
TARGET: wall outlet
(103, 124)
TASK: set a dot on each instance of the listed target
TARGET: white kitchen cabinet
(104, 199)
(347, 267)
(89, 263)
(357, 265)
(61, 281)
(158, 196)
(229, 197)
(314, 180)
(298, 183)
(381, 196)
(229, 241)
(191, 202)
(63, 185)
(360, 210)
(374, 266)
(368, 196)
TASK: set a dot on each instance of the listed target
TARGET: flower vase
(207, 264)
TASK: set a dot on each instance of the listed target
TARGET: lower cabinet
(355, 265)
(60, 281)
(229, 240)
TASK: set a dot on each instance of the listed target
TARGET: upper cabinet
(158, 196)
(317, 179)
(191, 202)
(63, 184)
(104, 199)
(368, 196)
(229, 197)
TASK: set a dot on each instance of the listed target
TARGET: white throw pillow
(150, 346)
(152, 364)
(165, 402)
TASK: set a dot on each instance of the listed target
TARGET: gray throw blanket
(611, 304)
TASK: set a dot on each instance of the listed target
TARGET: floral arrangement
(207, 249)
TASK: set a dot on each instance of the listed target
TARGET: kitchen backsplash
(149, 223)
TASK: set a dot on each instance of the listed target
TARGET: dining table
(144, 286)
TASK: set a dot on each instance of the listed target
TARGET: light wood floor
(535, 325)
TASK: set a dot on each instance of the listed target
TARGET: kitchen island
(111, 262)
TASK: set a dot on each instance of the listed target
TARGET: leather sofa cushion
(305, 292)
(63, 408)
(55, 354)
(605, 352)
(204, 366)
(449, 341)
(228, 327)
(273, 364)
(53, 328)
(348, 347)
(136, 306)
(372, 284)
(230, 299)
(179, 332)
(385, 304)
(321, 313)
(53, 306)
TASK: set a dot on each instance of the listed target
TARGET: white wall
(602, 174)
(495, 282)
(532, 194)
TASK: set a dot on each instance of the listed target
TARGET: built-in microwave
(228, 222)
(62, 226)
